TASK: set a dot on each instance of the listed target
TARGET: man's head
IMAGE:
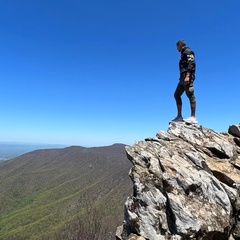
(180, 44)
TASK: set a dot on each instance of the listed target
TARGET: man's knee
(191, 97)
(176, 95)
(192, 100)
(178, 99)
(190, 94)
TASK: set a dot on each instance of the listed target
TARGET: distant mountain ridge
(10, 150)
(43, 190)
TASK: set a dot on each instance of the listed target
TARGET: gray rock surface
(186, 185)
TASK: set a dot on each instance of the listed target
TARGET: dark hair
(181, 42)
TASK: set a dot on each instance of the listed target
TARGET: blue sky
(94, 72)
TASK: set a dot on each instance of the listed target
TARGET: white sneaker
(191, 120)
(177, 119)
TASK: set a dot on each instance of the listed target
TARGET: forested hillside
(64, 193)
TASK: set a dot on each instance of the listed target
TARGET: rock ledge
(186, 185)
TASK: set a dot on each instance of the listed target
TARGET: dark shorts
(188, 89)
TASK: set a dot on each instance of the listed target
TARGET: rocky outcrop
(234, 130)
(186, 185)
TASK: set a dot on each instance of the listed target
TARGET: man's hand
(186, 80)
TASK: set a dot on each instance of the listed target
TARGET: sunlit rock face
(186, 185)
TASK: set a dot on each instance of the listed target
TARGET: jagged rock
(186, 185)
(234, 130)
(135, 237)
(119, 232)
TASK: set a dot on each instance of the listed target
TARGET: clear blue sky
(98, 72)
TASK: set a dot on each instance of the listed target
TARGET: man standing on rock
(187, 67)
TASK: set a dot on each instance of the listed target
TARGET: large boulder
(234, 130)
(186, 185)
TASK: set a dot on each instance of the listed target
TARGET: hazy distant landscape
(10, 150)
